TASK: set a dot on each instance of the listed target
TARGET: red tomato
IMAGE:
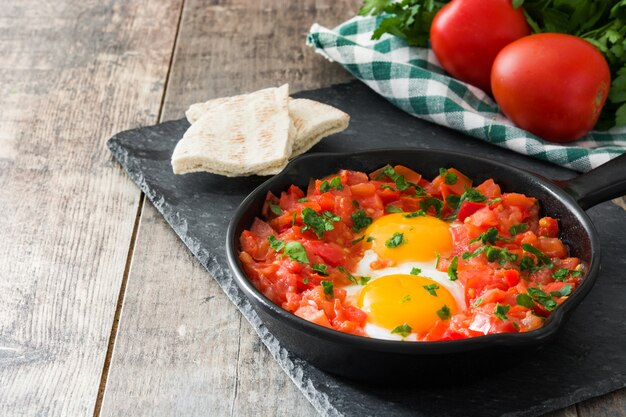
(466, 36)
(552, 85)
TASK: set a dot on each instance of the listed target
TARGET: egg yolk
(394, 300)
(401, 239)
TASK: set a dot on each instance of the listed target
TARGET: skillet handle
(604, 183)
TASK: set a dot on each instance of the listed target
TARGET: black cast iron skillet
(382, 360)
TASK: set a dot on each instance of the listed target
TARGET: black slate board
(589, 358)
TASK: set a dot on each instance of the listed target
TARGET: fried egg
(411, 291)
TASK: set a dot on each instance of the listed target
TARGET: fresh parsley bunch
(600, 22)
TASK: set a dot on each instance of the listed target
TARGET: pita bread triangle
(238, 136)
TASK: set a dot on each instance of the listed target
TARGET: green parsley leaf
(452, 269)
(542, 298)
(371, 239)
(355, 203)
(396, 240)
(398, 179)
(444, 312)
(320, 269)
(387, 187)
(305, 281)
(542, 259)
(355, 241)
(360, 220)
(364, 280)
(436, 203)
(303, 200)
(351, 277)
(453, 201)
(275, 244)
(293, 219)
(415, 271)
(576, 273)
(490, 236)
(328, 288)
(318, 223)
(276, 209)
(437, 259)
(526, 264)
(495, 200)
(501, 310)
(431, 289)
(413, 214)
(405, 299)
(403, 330)
(566, 290)
(525, 300)
(393, 209)
(561, 274)
(448, 177)
(518, 228)
(335, 183)
(296, 251)
(478, 302)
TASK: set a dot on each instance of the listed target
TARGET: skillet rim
(532, 338)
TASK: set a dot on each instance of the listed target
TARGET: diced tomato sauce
(513, 292)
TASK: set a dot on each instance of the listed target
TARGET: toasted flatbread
(313, 120)
(238, 136)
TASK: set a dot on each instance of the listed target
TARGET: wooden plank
(72, 73)
(611, 405)
(182, 347)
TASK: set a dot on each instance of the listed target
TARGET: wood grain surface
(72, 73)
(103, 311)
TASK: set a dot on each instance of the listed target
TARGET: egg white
(428, 270)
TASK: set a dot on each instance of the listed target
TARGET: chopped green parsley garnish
(364, 280)
(303, 200)
(296, 251)
(478, 302)
(453, 200)
(566, 290)
(490, 236)
(431, 289)
(293, 219)
(355, 203)
(305, 281)
(355, 241)
(393, 209)
(335, 183)
(396, 240)
(276, 244)
(542, 259)
(518, 228)
(470, 194)
(542, 298)
(437, 259)
(351, 277)
(371, 239)
(318, 223)
(403, 330)
(436, 203)
(405, 299)
(360, 220)
(448, 177)
(452, 269)
(524, 300)
(401, 183)
(321, 269)
(444, 312)
(415, 271)
(412, 214)
(276, 209)
(387, 187)
(501, 310)
(328, 288)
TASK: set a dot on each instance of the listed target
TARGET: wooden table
(103, 312)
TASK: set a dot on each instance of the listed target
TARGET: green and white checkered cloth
(412, 79)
